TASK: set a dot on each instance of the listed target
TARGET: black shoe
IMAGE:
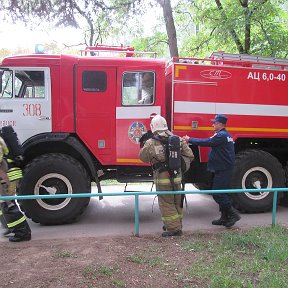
(233, 217)
(164, 228)
(172, 233)
(16, 238)
(222, 220)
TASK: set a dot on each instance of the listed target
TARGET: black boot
(172, 233)
(17, 223)
(233, 217)
(5, 231)
(21, 234)
(222, 220)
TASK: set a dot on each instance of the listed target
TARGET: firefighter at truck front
(12, 219)
(221, 164)
(154, 151)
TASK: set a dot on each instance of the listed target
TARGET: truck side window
(29, 84)
(138, 88)
(94, 81)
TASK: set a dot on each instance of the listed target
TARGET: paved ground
(114, 216)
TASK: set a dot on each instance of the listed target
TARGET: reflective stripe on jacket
(14, 174)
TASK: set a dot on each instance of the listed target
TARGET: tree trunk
(231, 30)
(170, 27)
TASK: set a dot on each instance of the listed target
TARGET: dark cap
(220, 118)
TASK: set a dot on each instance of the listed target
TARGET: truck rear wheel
(256, 169)
(54, 174)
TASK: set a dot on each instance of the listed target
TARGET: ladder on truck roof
(240, 60)
(250, 58)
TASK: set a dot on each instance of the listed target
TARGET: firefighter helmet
(158, 123)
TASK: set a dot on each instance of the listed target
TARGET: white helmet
(158, 123)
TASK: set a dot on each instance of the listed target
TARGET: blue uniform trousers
(221, 180)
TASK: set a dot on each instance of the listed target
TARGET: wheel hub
(257, 178)
(52, 184)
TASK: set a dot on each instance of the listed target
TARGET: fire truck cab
(80, 119)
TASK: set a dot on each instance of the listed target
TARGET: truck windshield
(6, 84)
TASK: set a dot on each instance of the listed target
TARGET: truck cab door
(25, 100)
(138, 100)
(95, 110)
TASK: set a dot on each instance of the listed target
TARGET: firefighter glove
(148, 135)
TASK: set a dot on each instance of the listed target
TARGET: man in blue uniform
(220, 163)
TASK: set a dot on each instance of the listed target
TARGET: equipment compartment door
(25, 101)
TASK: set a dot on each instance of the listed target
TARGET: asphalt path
(114, 216)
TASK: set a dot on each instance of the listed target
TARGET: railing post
(137, 215)
(274, 208)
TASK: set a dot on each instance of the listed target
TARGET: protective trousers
(11, 215)
(10, 192)
(170, 205)
(2, 220)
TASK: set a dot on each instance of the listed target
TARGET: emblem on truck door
(135, 131)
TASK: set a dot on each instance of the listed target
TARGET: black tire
(61, 174)
(256, 169)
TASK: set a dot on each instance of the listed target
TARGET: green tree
(99, 19)
(243, 26)
(4, 52)
(236, 26)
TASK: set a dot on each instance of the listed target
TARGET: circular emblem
(135, 132)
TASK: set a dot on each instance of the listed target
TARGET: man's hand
(186, 138)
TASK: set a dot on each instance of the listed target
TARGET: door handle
(6, 110)
(44, 118)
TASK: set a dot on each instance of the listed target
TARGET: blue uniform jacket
(222, 154)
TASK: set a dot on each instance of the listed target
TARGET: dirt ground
(146, 261)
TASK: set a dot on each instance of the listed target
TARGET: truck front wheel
(256, 169)
(53, 174)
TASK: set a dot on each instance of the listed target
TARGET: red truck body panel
(187, 94)
(255, 100)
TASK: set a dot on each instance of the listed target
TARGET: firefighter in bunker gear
(153, 151)
(220, 163)
(12, 218)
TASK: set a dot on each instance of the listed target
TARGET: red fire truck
(80, 119)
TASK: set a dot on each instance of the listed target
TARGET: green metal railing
(136, 194)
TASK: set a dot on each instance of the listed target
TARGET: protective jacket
(170, 205)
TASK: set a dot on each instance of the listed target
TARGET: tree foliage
(97, 18)
(242, 26)
(202, 26)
